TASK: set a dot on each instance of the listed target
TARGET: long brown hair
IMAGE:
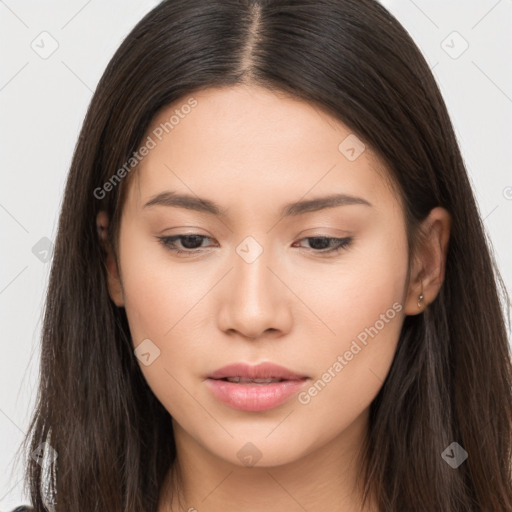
(451, 378)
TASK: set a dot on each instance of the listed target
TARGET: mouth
(245, 380)
(255, 373)
(254, 388)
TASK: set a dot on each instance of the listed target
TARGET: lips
(263, 373)
(254, 388)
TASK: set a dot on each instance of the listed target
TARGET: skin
(251, 151)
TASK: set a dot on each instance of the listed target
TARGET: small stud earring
(421, 297)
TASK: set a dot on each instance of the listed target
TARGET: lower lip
(254, 397)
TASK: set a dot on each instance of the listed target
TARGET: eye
(324, 244)
(192, 243)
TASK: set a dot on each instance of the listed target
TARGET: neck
(325, 478)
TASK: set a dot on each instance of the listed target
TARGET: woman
(271, 287)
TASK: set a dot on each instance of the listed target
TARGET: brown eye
(189, 243)
(322, 244)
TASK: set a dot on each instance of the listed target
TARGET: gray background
(43, 100)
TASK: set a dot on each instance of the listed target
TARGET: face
(318, 291)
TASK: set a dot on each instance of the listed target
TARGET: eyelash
(169, 243)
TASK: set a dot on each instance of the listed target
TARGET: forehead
(241, 142)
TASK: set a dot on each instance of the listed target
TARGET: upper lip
(259, 371)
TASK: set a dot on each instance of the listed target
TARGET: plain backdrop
(53, 54)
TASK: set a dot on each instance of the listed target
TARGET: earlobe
(113, 278)
(416, 300)
(428, 271)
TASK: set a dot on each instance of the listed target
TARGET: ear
(428, 268)
(114, 282)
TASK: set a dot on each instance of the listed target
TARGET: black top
(23, 508)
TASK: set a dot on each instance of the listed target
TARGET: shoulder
(23, 509)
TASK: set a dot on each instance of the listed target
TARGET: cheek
(362, 304)
(156, 296)
(161, 298)
(158, 302)
(353, 292)
(378, 281)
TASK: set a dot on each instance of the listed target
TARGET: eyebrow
(291, 209)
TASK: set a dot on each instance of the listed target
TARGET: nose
(255, 301)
